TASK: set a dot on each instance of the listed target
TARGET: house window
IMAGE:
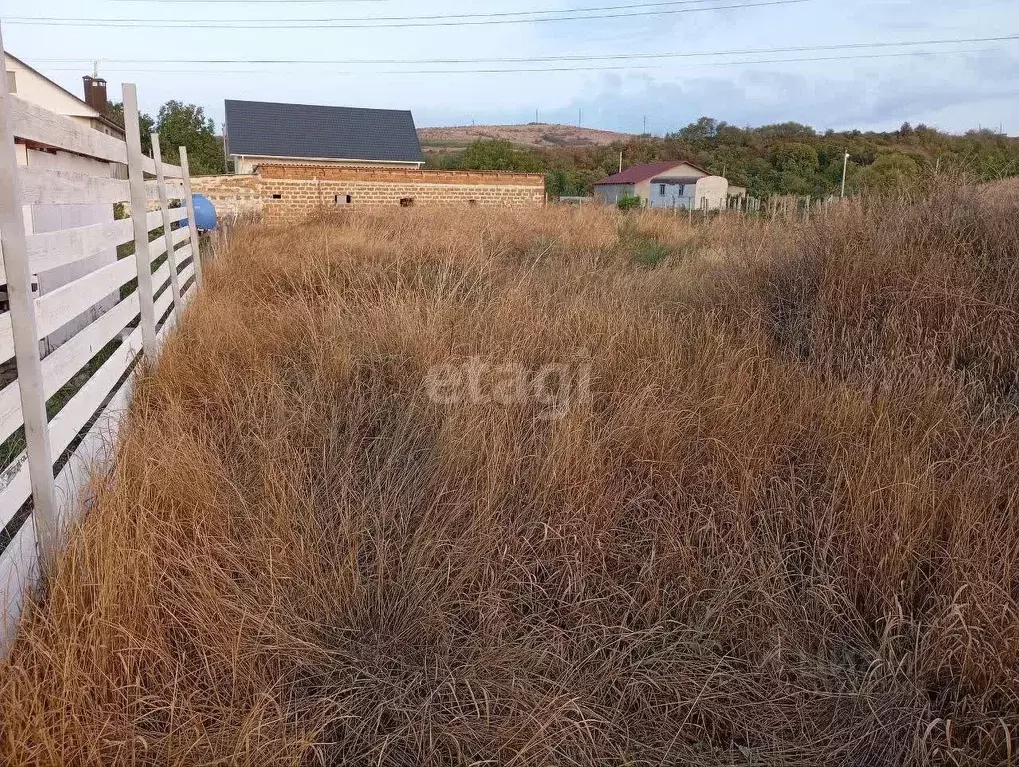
(661, 189)
(277, 196)
(343, 199)
(12, 82)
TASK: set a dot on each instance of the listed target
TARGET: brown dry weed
(782, 530)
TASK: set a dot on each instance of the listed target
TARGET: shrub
(630, 203)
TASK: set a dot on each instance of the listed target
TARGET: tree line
(179, 124)
(782, 159)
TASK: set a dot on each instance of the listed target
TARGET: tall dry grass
(783, 530)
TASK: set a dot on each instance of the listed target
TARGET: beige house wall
(245, 165)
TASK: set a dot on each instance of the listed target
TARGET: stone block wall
(284, 193)
(233, 196)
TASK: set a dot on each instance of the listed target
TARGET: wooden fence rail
(60, 410)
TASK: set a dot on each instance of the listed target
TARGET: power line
(247, 2)
(443, 21)
(565, 57)
(419, 18)
(499, 14)
(855, 57)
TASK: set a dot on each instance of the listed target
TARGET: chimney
(95, 93)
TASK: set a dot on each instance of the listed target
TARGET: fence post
(171, 257)
(26, 337)
(139, 218)
(195, 253)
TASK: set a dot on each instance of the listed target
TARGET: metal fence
(59, 411)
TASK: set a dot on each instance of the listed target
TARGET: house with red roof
(636, 181)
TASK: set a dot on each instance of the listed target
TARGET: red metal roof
(639, 173)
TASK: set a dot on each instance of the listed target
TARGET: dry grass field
(770, 517)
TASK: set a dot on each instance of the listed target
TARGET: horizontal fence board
(183, 257)
(15, 489)
(169, 171)
(181, 235)
(174, 191)
(187, 273)
(6, 337)
(51, 250)
(54, 249)
(160, 279)
(10, 410)
(158, 246)
(40, 186)
(83, 405)
(59, 367)
(92, 457)
(68, 359)
(188, 290)
(36, 124)
(19, 572)
(168, 326)
(56, 309)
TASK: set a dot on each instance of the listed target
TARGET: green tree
(888, 173)
(115, 111)
(705, 128)
(498, 155)
(180, 124)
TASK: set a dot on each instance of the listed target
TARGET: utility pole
(645, 125)
(580, 118)
(620, 162)
(536, 116)
(845, 167)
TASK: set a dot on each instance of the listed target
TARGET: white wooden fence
(41, 489)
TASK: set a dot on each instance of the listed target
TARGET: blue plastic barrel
(205, 212)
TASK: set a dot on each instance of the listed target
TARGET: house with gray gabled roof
(262, 133)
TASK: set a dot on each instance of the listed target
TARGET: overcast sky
(961, 86)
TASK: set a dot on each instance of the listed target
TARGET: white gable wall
(710, 191)
(33, 87)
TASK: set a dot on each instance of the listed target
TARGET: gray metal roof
(262, 129)
(676, 180)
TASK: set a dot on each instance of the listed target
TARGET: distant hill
(545, 135)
